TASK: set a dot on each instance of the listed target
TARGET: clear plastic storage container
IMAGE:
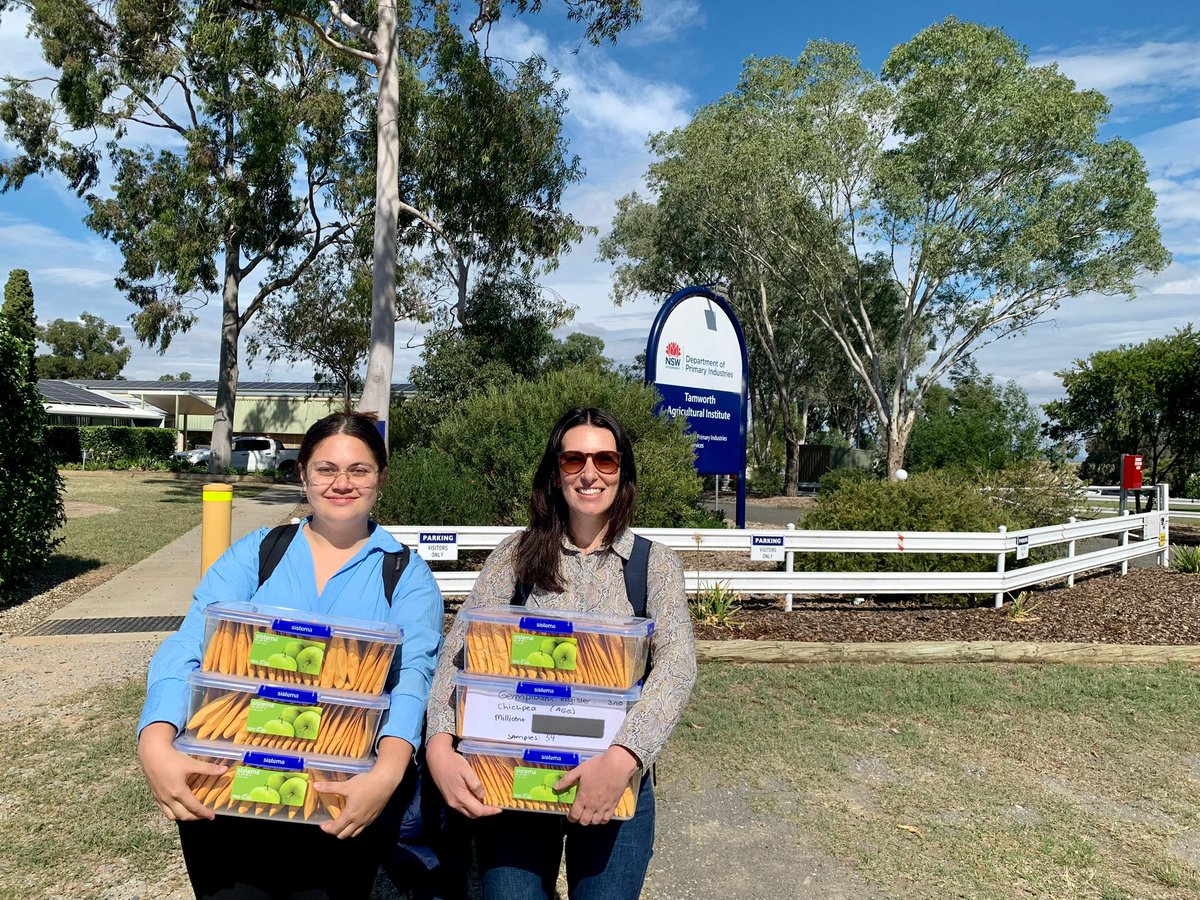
(294, 646)
(523, 777)
(540, 713)
(266, 784)
(285, 717)
(556, 645)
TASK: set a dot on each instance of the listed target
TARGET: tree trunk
(377, 389)
(791, 468)
(898, 431)
(227, 374)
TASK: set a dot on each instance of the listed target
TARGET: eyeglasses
(323, 474)
(607, 462)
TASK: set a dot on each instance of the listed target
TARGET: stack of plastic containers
(285, 699)
(542, 691)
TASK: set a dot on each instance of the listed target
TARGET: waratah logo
(674, 353)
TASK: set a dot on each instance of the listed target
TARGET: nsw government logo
(674, 355)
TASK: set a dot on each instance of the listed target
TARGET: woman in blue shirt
(333, 566)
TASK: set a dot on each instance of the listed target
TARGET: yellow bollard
(216, 523)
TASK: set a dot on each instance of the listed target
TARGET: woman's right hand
(167, 771)
(460, 786)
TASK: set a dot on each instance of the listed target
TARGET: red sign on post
(1131, 471)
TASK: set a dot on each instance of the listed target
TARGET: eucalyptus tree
(978, 181)
(468, 157)
(221, 140)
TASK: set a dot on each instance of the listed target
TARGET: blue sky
(1145, 57)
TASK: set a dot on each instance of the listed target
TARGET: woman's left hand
(367, 794)
(602, 780)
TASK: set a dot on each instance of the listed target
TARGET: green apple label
(283, 651)
(254, 785)
(531, 783)
(283, 719)
(544, 651)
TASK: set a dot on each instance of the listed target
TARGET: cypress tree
(18, 310)
(30, 486)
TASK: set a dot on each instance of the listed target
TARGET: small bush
(766, 480)
(717, 605)
(427, 487)
(835, 478)
(1187, 559)
(1191, 487)
(1035, 493)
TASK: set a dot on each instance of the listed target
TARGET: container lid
(271, 759)
(286, 693)
(559, 621)
(534, 756)
(551, 690)
(304, 622)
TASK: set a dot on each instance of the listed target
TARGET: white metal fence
(1136, 536)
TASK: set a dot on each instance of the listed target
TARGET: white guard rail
(1151, 529)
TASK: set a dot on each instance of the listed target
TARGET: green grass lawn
(934, 781)
(150, 511)
(960, 780)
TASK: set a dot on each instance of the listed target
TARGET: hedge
(109, 444)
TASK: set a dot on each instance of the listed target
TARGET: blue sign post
(696, 358)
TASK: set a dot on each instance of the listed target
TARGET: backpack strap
(272, 548)
(634, 569)
(277, 540)
(636, 573)
(394, 564)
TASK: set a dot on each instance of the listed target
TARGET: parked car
(252, 452)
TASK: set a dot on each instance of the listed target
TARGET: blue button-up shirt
(355, 591)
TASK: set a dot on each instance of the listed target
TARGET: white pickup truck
(253, 453)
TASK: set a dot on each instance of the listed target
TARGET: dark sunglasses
(607, 462)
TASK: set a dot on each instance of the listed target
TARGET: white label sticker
(493, 714)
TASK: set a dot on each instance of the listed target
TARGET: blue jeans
(519, 854)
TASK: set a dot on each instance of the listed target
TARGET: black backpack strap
(272, 548)
(636, 574)
(394, 564)
(277, 540)
(635, 570)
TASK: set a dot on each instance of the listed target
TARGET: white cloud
(1150, 72)
(663, 20)
(74, 276)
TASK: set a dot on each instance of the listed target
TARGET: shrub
(427, 487)
(497, 438)
(929, 501)
(30, 486)
(1191, 487)
(111, 446)
(717, 605)
(1187, 559)
(63, 443)
(766, 479)
(835, 478)
(1035, 493)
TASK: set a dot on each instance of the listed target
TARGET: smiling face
(342, 500)
(589, 494)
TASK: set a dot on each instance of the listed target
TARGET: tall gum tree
(979, 182)
(244, 181)
(395, 41)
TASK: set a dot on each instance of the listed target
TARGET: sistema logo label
(674, 355)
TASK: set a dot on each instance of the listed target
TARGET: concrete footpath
(160, 585)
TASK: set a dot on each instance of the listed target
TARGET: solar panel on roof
(72, 395)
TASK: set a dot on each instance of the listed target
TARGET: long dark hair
(364, 426)
(536, 560)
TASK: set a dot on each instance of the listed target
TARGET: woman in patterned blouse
(572, 557)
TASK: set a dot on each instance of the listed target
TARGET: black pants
(236, 858)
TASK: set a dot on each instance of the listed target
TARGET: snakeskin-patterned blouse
(595, 583)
